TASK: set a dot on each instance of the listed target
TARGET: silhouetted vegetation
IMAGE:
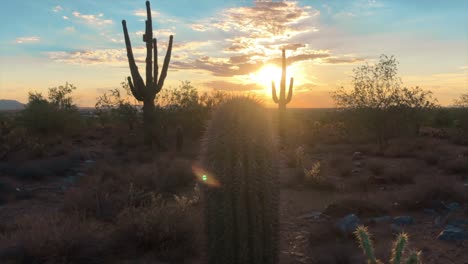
(380, 105)
(147, 92)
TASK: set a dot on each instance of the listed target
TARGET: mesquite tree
(283, 99)
(147, 92)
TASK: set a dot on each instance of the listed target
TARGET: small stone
(458, 222)
(348, 224)
(357, 156)
(313, 215)
(403, 220)
(452, 233)
(453, 206)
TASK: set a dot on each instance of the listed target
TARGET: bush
(52, 238)
(164, 230)
(381, 105)
(58, 115)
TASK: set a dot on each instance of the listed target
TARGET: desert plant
(56, 115)
(112, 106)
(381, 104)
(147, 92)
(283, 99)
(399, 246)
(462, 101)
(241, 190)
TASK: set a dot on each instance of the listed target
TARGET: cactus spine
(283, 99)
(141, 91)
(399, 246)
(241, 211)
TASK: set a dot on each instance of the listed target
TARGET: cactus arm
(414, 258)
(366, 244)
(167, 59)
(399, 248)
(134, 91)
(149, 53)
(273, 92)
(290, 93)
(138, 81)
(156, 67)
(148, 38)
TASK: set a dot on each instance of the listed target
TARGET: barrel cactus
(241, 188)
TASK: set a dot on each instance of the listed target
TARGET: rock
(357, 156)
(315, 215)
(452, 206)
(381, 219)
(348, 224)
(452, 233)
(461, 223)
(403, 220)
(358, 164)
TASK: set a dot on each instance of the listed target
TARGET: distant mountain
(10, 105)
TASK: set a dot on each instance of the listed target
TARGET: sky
(233, 45)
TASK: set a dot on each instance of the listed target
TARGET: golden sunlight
(270, 72)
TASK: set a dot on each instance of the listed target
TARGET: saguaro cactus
(283, 99)
(241, 205)
(141, 91)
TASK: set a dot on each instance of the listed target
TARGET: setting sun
(269, 73)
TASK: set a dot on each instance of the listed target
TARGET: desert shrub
(462, 101)
(184, 106)
(112, 106)
(53, 238)
(316, 179)
(53, 116)
(380, 105)
(162, 229)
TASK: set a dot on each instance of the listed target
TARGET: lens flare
(204, 176)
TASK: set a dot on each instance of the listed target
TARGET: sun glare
(269, 73)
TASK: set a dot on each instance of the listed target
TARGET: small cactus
(399, 246)
(242, 208)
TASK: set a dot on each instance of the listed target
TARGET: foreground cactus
(241, 199)
(363, 236)
(147, 92)
(283, 99)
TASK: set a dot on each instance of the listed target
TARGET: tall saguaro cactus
(283, 99)
(147, 92)
(241, 204)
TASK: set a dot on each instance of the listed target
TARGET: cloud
(231, 86)
(32, 39)
(57, 9)
(115, 57)
(155, 15)
(96, 20)
(65, 17)
(70, 29)
(198, 27)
